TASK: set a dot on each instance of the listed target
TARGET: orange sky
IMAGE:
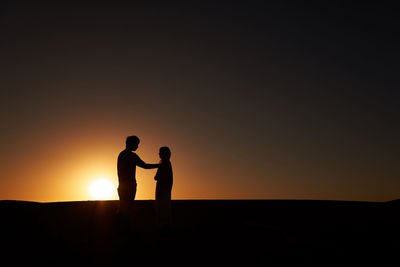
(60, 165)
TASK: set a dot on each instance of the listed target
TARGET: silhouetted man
(127, 162)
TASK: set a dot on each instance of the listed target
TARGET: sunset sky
(255, 100)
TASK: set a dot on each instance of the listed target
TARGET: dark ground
(205, 232)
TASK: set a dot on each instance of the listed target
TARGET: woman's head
(165, 153)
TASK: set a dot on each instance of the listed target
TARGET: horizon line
(201, 199)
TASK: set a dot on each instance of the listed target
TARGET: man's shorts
(127, 193)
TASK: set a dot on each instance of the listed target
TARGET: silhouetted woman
(164, 180)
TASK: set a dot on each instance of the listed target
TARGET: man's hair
(166, 151)
(133, 139)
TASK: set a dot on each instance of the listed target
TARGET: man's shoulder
(122, 153)
(127, 154)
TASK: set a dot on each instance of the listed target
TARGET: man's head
(132, 142)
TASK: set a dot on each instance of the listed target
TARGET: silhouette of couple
(127, 162)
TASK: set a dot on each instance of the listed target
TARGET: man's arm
(149, 166)
(145, 165)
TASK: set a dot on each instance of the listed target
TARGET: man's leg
(126, 199)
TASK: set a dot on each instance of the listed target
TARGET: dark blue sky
(260, 100)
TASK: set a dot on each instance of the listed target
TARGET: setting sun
(102, 189)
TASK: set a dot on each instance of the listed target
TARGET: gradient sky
(255, 100)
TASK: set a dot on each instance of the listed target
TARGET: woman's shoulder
(166, 163)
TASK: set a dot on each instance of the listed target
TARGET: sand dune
(212, 232)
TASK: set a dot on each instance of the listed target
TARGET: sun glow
(102, 189)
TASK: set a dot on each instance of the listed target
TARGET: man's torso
(126, 166)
